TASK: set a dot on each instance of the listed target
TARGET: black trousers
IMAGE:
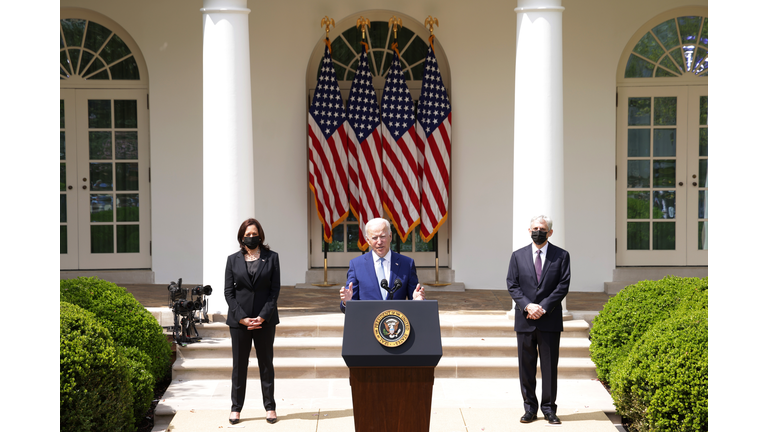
(263, 341)
(546, 347)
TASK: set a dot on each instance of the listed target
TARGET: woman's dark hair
(241, 233)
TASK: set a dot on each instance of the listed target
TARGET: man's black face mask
(539, 237)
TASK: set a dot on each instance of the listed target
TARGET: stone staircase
(474, 346)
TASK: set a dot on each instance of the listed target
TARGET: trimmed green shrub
(662, 384)
(94, 379)
(128, 322)
(626, 317)
(142, 382)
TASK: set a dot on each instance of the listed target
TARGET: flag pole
(325, 267)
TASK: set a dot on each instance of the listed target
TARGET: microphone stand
(325, 267)
(437, 264)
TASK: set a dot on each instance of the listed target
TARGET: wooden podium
(392, 385)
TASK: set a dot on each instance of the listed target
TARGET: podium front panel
(423, 347)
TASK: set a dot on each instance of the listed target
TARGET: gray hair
(377, 222)
(546, 220)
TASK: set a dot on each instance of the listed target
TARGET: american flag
(364, 149)
(434, 132)
(328, 150)
(400, 158)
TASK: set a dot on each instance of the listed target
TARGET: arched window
(94, 52)
(670, 49)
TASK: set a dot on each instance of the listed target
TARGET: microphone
(398, 285)
(385, 285)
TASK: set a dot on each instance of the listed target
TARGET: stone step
(323, 347)
(324, 368)
(450, 326)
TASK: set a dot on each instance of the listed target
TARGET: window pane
(101, 208)
(74, 57)
(405, 246)
(639, 112)
(665, 111)
(703, 110)
(127, 238)
(127, 176)
(62, 177)
(101, 176)
(352, 237)
(664, 204)
(61, 114)
(664, 173)
(127, 207)
(337, 237)
(127, 145)
(639, 142)
(703, 142)
(703, 180)
(102, 239)
(62, 208)
(100, 145)
(668, 63)
(703, 235)
(125, 114)
(667, 34)
(664, 236)
(703, 211)
(638, 68)
(638, 234)
(638, 205)
(704, 39)
(99, 114)
(689, 28)
(63, 239)
(421, 246)
(95, 36)
(638, 174)
(114, 50)
(649, 48)
(664, 143)
(125, 70)
(62, 145)
(73, 31)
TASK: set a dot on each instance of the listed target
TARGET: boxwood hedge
(662, 384)
(96, 392)
(129, 323)
(626, 317)
(649, 344)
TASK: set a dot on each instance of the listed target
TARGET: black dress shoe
(528, 417)
(271, 420)
(234, 421)
(552, 418)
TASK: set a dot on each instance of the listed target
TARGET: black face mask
(539, 237)
(252, 242)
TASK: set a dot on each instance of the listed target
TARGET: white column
(538, 140)
(228, 188)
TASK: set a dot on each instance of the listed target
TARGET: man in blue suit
(538, 279)
(368, 270)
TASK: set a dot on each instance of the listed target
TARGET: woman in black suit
(251, 287)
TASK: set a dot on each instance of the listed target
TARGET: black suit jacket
(548, 293)
(247, 299)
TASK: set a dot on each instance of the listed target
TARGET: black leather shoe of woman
(234, 420)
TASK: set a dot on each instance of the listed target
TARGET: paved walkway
(326, 405)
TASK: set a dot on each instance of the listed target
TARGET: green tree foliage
(96, 392)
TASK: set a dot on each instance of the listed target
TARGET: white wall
(479, 40)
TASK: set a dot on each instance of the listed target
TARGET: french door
(662, 182)
(104, 180)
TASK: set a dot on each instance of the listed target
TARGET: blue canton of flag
(397, 103)
(363, 107)
(433, 102)
(327, 106)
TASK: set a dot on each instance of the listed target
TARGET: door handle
(694, 183)
(680, 184)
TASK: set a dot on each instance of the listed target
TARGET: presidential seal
(391, 328)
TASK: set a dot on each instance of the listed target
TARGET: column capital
(524, 6)
(225, 6)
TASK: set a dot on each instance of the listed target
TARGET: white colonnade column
(538, 138)
(228, 179)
